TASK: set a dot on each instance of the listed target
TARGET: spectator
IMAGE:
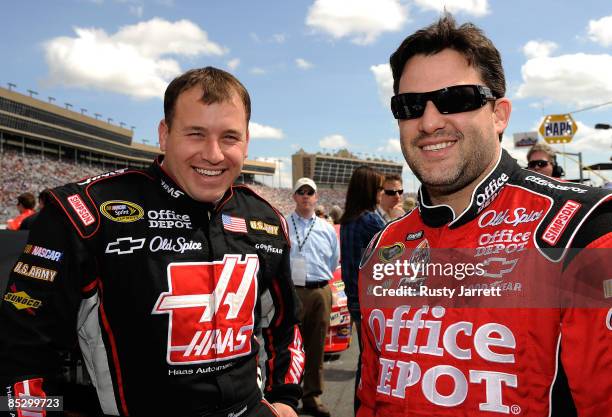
(358, 225)
(25, 205)
(409, 204)
(314, 258)
(541, 159)
(390, 207)
(335, 213)
(26, 224)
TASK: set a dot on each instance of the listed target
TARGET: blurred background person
(26, 224)
(358, 225)
(25, 205)
(542, 159)
(409, 204)
(314, 258)
(390, 207)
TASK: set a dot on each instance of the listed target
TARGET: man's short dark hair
(218, 86)
(393, 177)
(466, 39)
(27, 200)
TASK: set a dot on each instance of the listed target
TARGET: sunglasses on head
(393, 192)
(449, 100)
(540, 163)
(302, 192)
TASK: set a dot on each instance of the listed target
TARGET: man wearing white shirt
(314, 258)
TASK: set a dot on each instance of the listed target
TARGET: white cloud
(303, 64)
(333, 142)
(391, 146)
(539, 49)
(470, 7)
(258, 131)
(132, 61)
(363, 21)
(600, 31)
(577, 79)
(257, 71)
(384, 81)
(588, 138)
(279, 38)
(233, 63)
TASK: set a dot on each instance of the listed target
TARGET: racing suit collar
(482, 196)
(174, 191)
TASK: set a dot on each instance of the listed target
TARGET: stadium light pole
(132, 128)
(51, 99)
(110, 119)
(68, 106)
(121, 124)
(83, 111)
(97, 115)
(33, 93)
(11, 86)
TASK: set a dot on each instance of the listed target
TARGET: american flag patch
(233, 224)
(607, 284)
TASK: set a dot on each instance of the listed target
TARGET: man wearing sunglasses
(315, 252)
(390, 207)
(427, 356)
(541, 159)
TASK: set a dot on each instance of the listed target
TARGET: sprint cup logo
(122, 211)
(209, 323)
(492, 342)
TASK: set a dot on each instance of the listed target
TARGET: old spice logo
(559, 222)
(492, 343)
(81, 209)
(519, 215)
(209, 322)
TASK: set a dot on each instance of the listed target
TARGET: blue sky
(316, 70)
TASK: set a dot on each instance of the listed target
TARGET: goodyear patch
(21, 300)
(264, 227)
(391, 252)
(36, 272)
(121, 211)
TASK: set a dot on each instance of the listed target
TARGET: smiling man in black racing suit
(158, 275)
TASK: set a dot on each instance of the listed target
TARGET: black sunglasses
(393, 192)
(540, 163)
(302, 192)
(449, 100)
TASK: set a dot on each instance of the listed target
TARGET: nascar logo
(121, 211)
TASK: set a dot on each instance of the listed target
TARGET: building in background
(335, 170)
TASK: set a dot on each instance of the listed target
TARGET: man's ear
(501, 114)
(162, 132)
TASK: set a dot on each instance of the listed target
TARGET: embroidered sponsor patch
(36, 272)
(559, 222)
(121, 211)
(264, 227)
(81, 209)
(607, 284)
(45, 253)
(125, 245)
(414, 235)
(234, 224)
(389, 253)
(21, 300)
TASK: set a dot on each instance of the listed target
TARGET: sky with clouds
(317, 70)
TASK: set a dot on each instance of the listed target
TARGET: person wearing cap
(314, 258)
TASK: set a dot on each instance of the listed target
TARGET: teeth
(437, 146)
(209, 172)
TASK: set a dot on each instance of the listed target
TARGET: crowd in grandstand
(31, 173)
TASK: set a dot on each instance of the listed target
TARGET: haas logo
(211, 308)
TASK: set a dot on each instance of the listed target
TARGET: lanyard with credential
(297, 235)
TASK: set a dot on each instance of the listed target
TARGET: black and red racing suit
(162, 294)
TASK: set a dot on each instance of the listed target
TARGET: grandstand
(335, 170)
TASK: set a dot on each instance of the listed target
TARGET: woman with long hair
(358, 225)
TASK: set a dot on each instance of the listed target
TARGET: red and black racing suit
(445, 360)
(162, 294)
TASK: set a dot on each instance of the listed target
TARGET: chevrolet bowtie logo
(125, 245)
